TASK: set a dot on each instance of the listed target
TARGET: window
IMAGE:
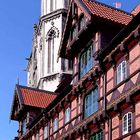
(70, 65)
(127, 123)
(51, 52)
(67, 115)
(73, 32)
(55, 125)
(81, 22)
(23, 126)
(86, 61)
(45, 132)
(121, 71)
(97, 136)
(37, 136)
(90, 103)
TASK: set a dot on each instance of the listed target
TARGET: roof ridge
(109, 6)
(36, 89)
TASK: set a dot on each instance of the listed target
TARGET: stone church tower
(44, 70)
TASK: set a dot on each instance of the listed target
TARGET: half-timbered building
(101, 99)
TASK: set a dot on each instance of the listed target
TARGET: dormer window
(73, 32)
(81, 22)
(23, 126)
(86, 60)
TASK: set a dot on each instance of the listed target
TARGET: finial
(118, 5)
(17, 80)
(35, 27)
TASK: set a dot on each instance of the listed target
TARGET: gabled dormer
(27, 104)
(90, 26)
(89, 17)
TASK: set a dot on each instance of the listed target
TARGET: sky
(16, 29)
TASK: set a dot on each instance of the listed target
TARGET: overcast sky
(16, 28)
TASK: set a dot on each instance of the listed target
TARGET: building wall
(77, 104)
(113, 99)
(39, 75)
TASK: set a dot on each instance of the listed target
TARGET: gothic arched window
(52, 34)
(51, 53)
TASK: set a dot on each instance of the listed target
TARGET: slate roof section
(107, 12)
(35, 97)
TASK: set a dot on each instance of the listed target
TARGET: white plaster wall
(51, 82)
(51, 85)
(45, 6)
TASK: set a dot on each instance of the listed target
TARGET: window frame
(73, 32)
(83, 52)
(67, 118)
(24, 125)
(91, 93)
(121, 75)
(126, 122)
(81, 20)
(45, 132)
(98, 135)
(37, 136)
(55, 124)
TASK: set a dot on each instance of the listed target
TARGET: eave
(121, 36)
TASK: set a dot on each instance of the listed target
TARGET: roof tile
(36, 97)
(108, 12)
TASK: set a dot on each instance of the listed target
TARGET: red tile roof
(136, 10)
(35, 97)
(108, 12)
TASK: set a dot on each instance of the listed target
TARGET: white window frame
(67, 115)
(45, 132)
(37, 136)
(121, 71)
(55, 124)
(127, 123)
